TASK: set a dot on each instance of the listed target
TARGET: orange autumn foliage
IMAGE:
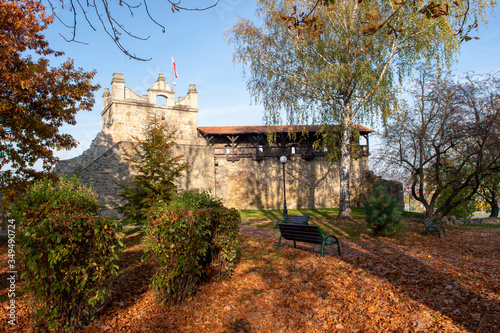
(410, 283)
(35, 98)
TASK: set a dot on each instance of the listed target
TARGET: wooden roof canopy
(250, 141)
(241, 130)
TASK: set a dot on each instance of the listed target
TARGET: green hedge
(68, 251)
(193, 238)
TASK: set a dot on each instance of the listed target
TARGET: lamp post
(285, 211)
(405, 192)
(409, 198)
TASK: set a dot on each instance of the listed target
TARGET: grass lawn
(276, 214)
(326, 218)
(314, 214)
(408, 283)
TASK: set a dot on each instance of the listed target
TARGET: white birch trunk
(345, 164)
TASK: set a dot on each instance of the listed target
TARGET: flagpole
(174, 72)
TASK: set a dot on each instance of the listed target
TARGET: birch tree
(338, 70)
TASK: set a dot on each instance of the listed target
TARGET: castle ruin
(235, 163)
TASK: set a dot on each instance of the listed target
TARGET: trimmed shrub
(382, 213)
(68, 251)
(192, 239)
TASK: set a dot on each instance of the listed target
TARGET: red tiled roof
(232, 130)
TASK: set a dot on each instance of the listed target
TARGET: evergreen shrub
(382, 212)
(68, 251)
(193, 238)
(157, 169)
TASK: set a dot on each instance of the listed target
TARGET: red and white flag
(173, 65)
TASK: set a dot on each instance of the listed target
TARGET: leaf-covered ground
(409, 283)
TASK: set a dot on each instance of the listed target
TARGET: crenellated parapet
(126, 114)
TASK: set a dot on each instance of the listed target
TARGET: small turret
(125, 113)
(193, 96)
(106, 98)
(118, 86)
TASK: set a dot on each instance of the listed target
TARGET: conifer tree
(382, 212)
(156, 167)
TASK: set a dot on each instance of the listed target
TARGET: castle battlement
(125, 113)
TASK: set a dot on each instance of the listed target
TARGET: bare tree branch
(448, 142)
(107, 17)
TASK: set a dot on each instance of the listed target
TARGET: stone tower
(125, 113)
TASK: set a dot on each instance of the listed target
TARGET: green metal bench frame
(433, 227)
(307, 234)
(293, 219)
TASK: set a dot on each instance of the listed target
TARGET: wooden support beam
(233, 154)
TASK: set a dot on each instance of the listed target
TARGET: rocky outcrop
(452, 220)
(393, 187)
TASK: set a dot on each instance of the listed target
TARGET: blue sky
(202, 56)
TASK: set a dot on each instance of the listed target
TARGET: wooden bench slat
(293, 219)
(299, 234)
(307, 228)
(308, 231)
(431, 226)
(307, 234)
(301, 238)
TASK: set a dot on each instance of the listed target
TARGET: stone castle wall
(110, 168)
(245, 183)
(249, 184)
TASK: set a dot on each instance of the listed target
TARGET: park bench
(307, 234)
(293, 219)
(433, 227)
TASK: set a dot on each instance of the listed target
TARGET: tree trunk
(494, 203)
(494, 210)
(345, 167)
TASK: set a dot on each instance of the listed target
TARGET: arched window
(161, 100)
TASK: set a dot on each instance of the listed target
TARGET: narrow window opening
(161, 100)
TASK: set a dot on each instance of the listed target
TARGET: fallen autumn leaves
(407, 284)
